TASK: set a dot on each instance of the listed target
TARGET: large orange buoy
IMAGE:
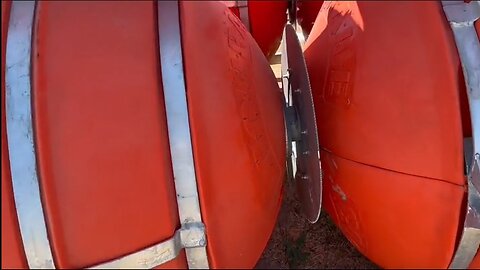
(395, 126)
(264, 20)
(154, 134)
(120, 149)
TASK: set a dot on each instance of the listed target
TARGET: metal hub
(303, 160)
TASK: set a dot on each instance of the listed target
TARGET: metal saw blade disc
(297, 90)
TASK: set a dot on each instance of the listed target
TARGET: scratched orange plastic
(101, 131)
(12, 248)
(236, 117)
(384, 94)
(476, 261)
(267, 19)
(396, 220)
(386, 89)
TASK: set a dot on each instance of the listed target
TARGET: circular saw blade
(303, 137)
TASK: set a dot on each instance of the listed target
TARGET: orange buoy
(120, 149)
(394, 126)
(264, 20)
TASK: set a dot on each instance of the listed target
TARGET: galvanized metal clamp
(190, 236)
(462, 17)
(178, 122)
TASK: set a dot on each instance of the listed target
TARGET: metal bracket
(178, 122)
(292, 136)
(293, 124)
(462, 17)
(190, 236)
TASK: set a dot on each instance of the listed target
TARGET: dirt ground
(296, 243)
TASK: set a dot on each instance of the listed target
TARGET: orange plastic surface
(396, 220)
(267, 19)
(238, 135)
(307, 12)
(12, 247)
(101, 132)
(476, 262)
(386, 86)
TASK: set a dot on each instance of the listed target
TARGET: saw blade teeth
(305, 154)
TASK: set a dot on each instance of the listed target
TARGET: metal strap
(26, 188)
(461, 17)
(242, 10)
(178, 124)
(188, 237)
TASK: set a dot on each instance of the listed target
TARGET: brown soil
(296, 243)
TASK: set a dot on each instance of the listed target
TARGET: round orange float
(119, 149)
(398, 132)
(264, 20)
